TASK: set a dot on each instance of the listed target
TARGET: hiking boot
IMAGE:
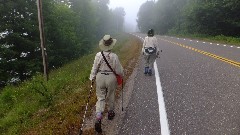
(111, 114)
(98, 122)
(145, 70)
(98, 127)
(150, 72)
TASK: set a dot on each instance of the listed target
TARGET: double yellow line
(234, 63)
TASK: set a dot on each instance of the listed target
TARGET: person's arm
(95, 67)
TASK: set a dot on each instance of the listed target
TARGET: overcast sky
(131, 8)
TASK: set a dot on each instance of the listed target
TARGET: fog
(131, 8)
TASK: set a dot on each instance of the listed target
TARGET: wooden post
(42, 38)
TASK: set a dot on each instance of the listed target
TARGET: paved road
(201, 89)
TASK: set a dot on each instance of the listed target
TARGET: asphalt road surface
(200, 85)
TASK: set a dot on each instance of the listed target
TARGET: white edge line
(162, 110)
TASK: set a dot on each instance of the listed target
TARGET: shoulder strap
(108, 63)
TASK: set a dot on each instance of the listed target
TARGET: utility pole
(42, 39)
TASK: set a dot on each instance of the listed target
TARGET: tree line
(72, 28)
(202, 17)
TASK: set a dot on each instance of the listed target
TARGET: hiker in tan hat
(106, 82)
(150, 51)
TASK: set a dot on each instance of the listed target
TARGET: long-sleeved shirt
(150, 42)
(100, 65)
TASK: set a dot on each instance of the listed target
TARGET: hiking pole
(89, 96)
(122, 94)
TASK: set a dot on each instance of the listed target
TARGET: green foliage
(35, 101)
(218, 39)
(71, 30)
(19, 104)
(20, 26)
(211, 18)
(224, 39)
(70, 26)
(62, 39)
(145, 19)
(117, 20)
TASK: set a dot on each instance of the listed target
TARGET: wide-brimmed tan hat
(107, 43)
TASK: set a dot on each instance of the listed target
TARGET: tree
(61, 37)
(118, 19)
(20, 44)
(145, 19)
(208, 17)
(71, 27)
(102, 17)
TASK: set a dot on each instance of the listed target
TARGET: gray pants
(105, 90)
(149, 60)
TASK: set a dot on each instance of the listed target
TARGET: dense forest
(203, 17)
(71, 28)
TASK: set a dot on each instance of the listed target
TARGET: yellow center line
(234, 63)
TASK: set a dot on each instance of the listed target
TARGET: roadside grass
(37, 107)
(217, 39)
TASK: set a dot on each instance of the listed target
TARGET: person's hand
(93, 79)
(158, 55)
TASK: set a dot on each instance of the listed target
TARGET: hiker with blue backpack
(150, 51)
(107, 71)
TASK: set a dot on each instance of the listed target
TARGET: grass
(218, 39)
(37, 107)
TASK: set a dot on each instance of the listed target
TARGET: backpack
(150, 50)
